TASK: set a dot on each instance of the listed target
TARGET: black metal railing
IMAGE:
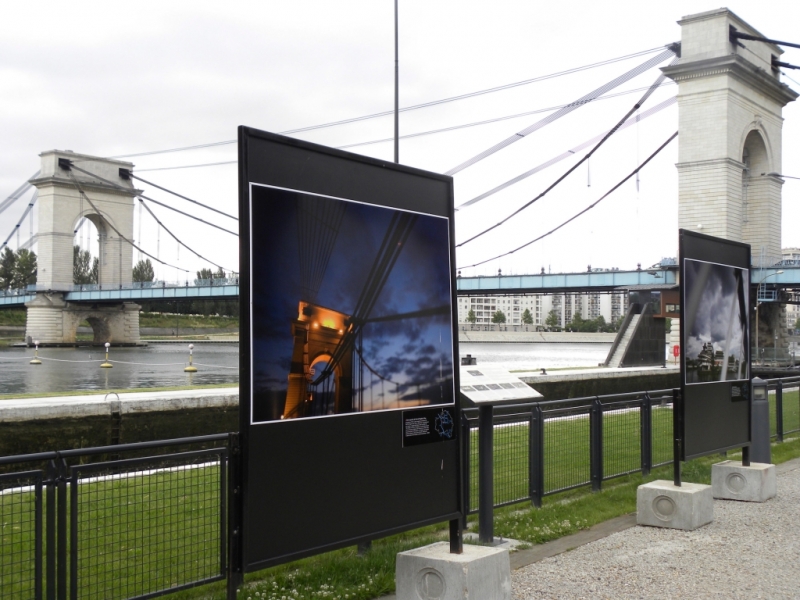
(123, 528)
(543, 448)
(784, 406)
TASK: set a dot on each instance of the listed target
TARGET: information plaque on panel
(348, 403)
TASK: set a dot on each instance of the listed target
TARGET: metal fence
(784, 406)
(544, 448)
(136, 527)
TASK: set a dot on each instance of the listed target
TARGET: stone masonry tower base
(66, 196)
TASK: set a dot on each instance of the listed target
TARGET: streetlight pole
(758, 287)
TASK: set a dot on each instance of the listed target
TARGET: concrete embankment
(535, 337)
(44, 424)
(558, 385)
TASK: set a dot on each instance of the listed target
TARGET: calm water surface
(161, 365)
(75, 369)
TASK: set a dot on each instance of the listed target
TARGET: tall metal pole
(396, 91)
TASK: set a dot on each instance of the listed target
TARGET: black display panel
(348, 295)
(715, 343)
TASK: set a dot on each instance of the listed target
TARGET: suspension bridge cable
(571, 152)
(420, 133)
(586, 157)
(185, 214)
(21, 219)
(585, 210)
(490, 121)
(116, 185)
(147, 208)
(182, 197)
(582, 101)
(97, 210)
(409, 108)
(18, 193)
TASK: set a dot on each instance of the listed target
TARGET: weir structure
(65, 197)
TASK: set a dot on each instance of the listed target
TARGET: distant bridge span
(548, 283)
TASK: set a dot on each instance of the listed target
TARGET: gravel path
(748, 551)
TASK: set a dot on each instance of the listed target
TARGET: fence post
(61, 529)
(779, 410)
(465, 468)
(646, 429)
(50, 525)
(235, 575)
(486, 474)
(596, 444)
(536, 456)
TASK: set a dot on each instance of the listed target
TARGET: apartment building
(590, 304)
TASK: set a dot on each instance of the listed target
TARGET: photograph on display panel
(716, 321)
(351, 307)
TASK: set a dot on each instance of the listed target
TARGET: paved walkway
(748, 551)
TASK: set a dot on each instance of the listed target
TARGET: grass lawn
(148, 532)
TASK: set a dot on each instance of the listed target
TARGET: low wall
(535, 337)
(46, 424)
(599, 383)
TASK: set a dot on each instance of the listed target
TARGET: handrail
(42, 456)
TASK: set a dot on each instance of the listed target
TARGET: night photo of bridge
(351, 309)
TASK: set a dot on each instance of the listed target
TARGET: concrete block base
(732, 481)
(662, 504)
(432, 573)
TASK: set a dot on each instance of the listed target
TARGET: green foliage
(17, 269)
(7, 263)
(527, 317)
(471, 318)
(499, 317)
(143, 271)
(552, 320)
(599, 324)
(84, 269)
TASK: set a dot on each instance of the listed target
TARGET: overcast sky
(113, 79)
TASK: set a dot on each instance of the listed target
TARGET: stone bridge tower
(730, 100)
(52, 320)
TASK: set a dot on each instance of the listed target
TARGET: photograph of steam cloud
(716, 321)
(351, 307)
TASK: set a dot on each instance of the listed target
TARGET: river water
(76, 369)
(161, 365)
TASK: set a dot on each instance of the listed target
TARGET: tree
(527, 318)
(24, 269)
(552, 321)
(499, 317)
(471, 318)
(84, 270)
(8, 262)
(143, 271)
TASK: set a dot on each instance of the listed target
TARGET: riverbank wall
(45, 424)
(534, 337)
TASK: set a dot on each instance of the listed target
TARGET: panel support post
(536, 456)
(596, 444)
(234, 574)
(677, 435)
(779, 411)
(486, 474)
(456, 537)
(646, 429)
(466, 476)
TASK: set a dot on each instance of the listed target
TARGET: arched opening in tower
(85, 252)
